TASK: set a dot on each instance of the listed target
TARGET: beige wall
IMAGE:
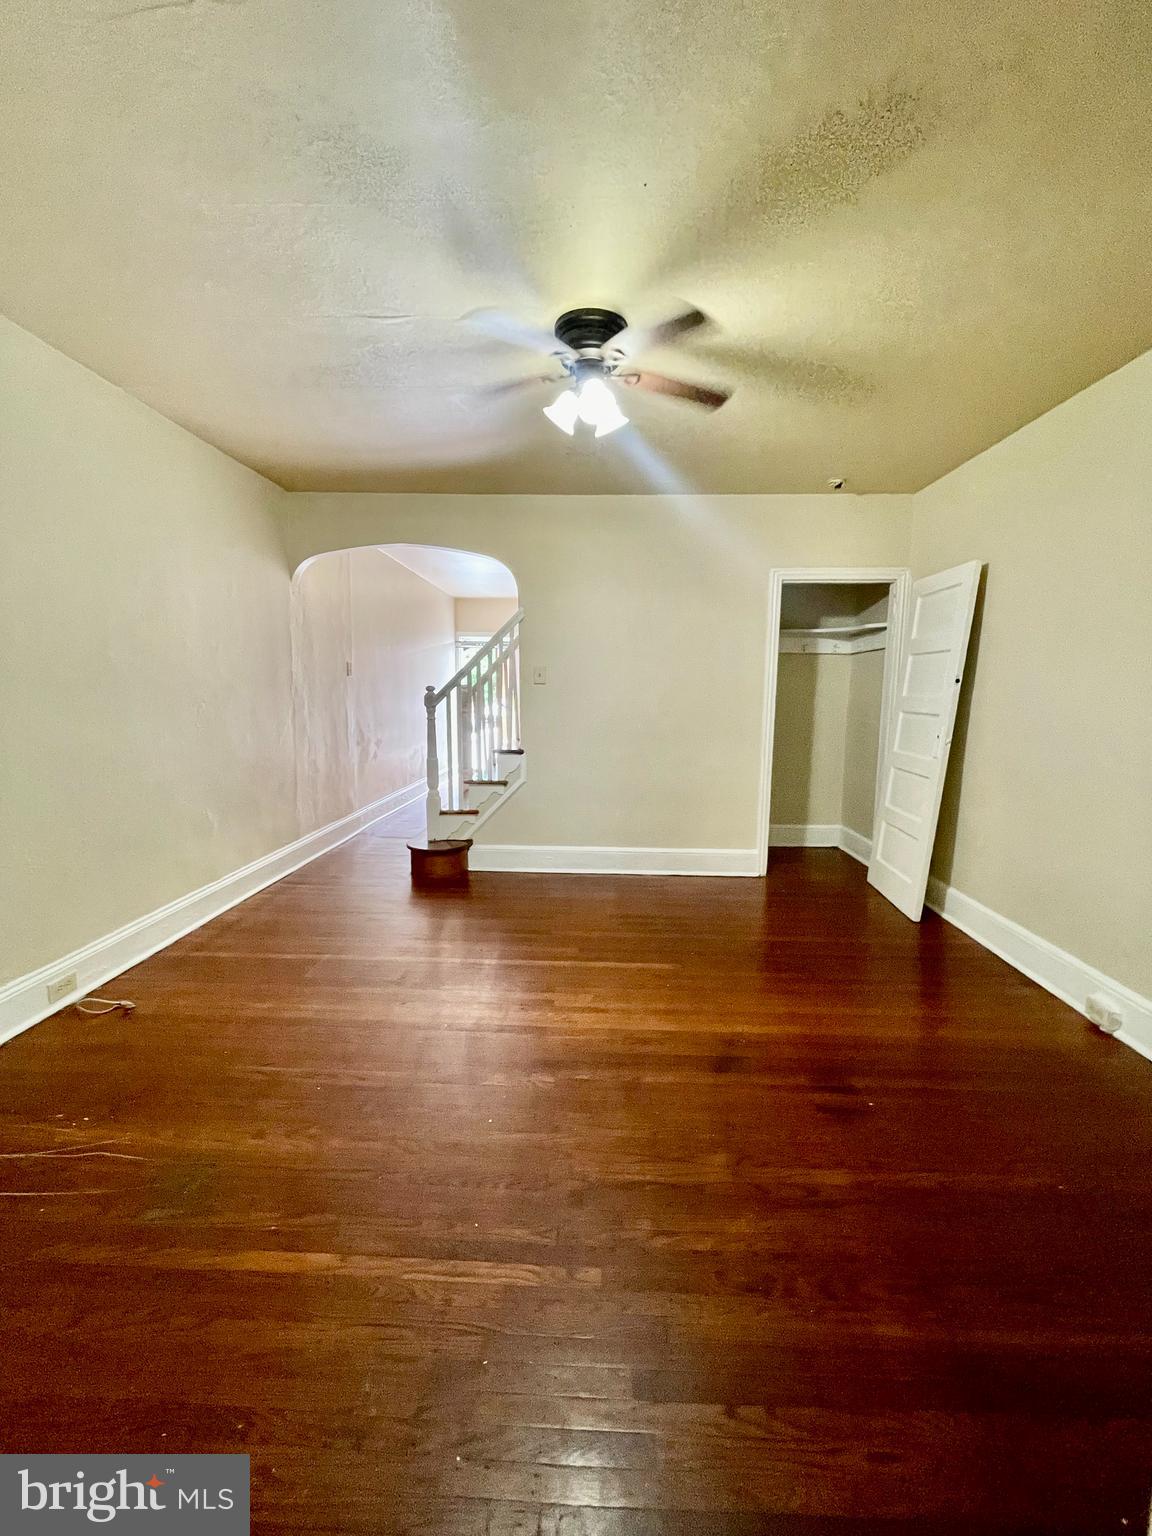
(1048, 810)
(361, 737)
(483, 615)
(145, 664)
(321, 702)
(650, 613)
(862, 738)
(403, 638)
(827, 738)
(151, 721)
(809, 739)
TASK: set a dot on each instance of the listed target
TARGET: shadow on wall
(371, 628)
(808, 745)
(793, 750)
(827, 739)
(944, 849)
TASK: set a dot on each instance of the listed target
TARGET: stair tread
(462, 810)
(509, 751)
(499, 783)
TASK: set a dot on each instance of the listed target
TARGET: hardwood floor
(589, 1207)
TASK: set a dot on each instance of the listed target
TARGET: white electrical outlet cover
(61, 987)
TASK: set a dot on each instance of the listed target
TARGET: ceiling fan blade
(512, 386)
(510, 328)
(640, 338)
(659, 384)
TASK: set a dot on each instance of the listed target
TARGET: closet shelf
(834, 629)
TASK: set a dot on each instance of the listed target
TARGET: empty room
(575, 910)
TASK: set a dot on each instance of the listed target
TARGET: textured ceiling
(918, 224)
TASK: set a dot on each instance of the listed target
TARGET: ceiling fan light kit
(584, 333)
(594, 345)
(589, 400)
(564, 412)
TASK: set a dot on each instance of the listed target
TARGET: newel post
(433, 759)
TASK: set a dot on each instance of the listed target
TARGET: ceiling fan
(595, 352)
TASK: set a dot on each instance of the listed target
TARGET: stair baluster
(480, 717)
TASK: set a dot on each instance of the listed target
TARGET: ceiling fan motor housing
(588, 329)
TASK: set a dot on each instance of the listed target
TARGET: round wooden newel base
(443, 862)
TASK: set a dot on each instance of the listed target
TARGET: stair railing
(472, 718)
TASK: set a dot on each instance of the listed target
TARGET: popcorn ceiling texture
(919, 225)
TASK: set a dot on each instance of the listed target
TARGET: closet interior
(829, 696)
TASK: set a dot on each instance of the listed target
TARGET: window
(468, 645)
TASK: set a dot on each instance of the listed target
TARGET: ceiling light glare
(564, 412)
(610, 421)
(598, 407)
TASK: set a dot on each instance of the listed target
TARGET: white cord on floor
(108, 1005)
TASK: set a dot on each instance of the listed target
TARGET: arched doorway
(372, 628)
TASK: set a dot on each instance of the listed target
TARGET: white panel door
(929, 671)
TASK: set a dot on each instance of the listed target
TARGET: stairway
(474, 757)
(481, 798)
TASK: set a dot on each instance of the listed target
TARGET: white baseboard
(855, 843)
(783, 834)
(23, 1002)
(511, 858)
(820, 835)
(1058, 972)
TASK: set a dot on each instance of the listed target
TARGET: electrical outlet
(1105, 1012)
(60, 988)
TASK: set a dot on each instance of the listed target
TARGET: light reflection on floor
(406, 823)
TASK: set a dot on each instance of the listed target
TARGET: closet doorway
(834, 637)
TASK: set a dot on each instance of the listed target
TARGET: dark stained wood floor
(589, 1207)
